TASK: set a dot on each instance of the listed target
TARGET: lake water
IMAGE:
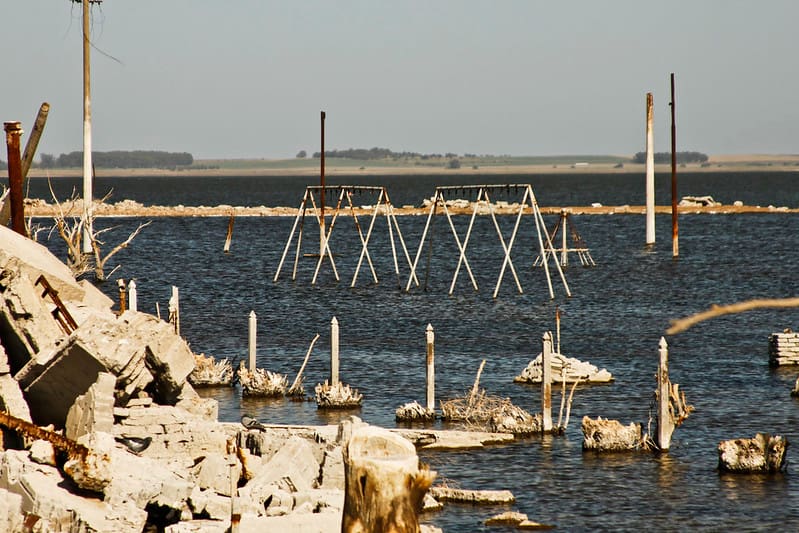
(614, 319)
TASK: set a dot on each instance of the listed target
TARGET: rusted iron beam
(32, 431)
(60, 313)
(13, 133)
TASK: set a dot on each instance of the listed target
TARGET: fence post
(133, 302)
(253, 328)
(174, 309)
(431, 368)
(546, 381)
(333, 352)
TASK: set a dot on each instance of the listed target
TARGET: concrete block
(10, 511)
(293, 467)
(93, 411)
(218, 473)
(333, 469)
(208, 502)
(42, 452)
(94, 471)
(13, 403)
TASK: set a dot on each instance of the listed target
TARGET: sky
(248, 78)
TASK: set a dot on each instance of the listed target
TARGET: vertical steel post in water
(546, 381)
(650, 171)
(87, 136)
(431, 368)
(665, 423)
(322, 195)
(252, 330)
(334, 352)
(13, 133)
(675, 233)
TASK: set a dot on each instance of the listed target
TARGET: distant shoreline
(729, 163)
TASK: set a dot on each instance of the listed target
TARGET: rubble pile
(783, 348)
(564, 368)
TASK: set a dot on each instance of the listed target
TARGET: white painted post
(546, 381)
(564, 255)
(650, 172)
(253, 329)
(174, 309)
(557, 328)
(133, 303)
(665, 422)
(431, 368)
(333, 352)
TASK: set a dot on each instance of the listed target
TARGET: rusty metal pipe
(13, 133)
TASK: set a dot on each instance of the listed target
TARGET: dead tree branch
(682, 324)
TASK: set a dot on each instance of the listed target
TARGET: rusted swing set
(482, 204)
(344, 194)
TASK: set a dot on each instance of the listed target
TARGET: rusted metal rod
(675, 233)
(13, 133)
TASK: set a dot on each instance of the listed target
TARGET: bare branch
(682, 324)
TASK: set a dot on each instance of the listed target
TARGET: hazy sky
(248, 78)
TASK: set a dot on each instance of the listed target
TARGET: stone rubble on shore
(102, 431)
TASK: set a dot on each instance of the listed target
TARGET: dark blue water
(618, 312)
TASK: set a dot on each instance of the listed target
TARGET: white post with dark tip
(546, 381)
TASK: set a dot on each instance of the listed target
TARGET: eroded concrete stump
(604, 435)
(763, 453)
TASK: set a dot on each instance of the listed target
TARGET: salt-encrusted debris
(564, 368)
(260, 382)
(338, 396)
(783, 348)
(763, 453)
(795, 391)
(483, 497)
(491, 413)
(209, 372)
(604, 435)
(517, 520)
(414, 412)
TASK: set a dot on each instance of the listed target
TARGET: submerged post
(431, 368)
(675, 233)
(557, 328)
(252, 330)
(122, 295)
(16, 195)
(665, 421)
(133, 303)
(546, 381)
(564, 255)
(650, 171)
(229, 235)
(174, 310)
(334, 352)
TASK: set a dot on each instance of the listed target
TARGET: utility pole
(650, 172)
(87, 134)
(675, 233)
(322, 194)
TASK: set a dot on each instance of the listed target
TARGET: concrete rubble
(761, 454)
(783, 348)
(102, 431)
(564, 368)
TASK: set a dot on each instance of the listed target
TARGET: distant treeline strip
(665, 157)
(120, 159)
(381, 153)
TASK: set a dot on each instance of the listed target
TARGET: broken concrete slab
(11, 516)
(31, 258)
(27, 325)
(92, 471)
(762, 453)
(603, 435)
(42, 452)
(333, 468)
(218, 473)
(294, 467)
(94, 410)
(209, 503)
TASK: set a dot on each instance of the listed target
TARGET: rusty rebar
(13, 133)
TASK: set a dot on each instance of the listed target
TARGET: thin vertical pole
(133, 302)
(33, 141)
(122, 295)
(252, 330)
(564, 254)
(650, 171)
(557, 327)
(87, 135)
(322, 184)
(546, 381)
(333, 352)
(16, 195)
(431, 368)
(174, 309)
(675, 233)
(229, 236)
(665, 423)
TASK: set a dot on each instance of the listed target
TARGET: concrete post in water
(557, 328)
(546, 381)
(334, 352)
(650, 171)
(133, 303)
(229, 236)
(675, 233)
(174, 309)
(87, 134)
(665, 421)
(322, 194)
(431, 368)
(564, 255)
(253, 328)
(16, 195)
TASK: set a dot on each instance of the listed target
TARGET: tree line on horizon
(119, 159)
(665, 157)
(379, 153)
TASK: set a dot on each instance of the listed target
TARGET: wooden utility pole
(87, 135)
(650, 171)
(675, 233)
(334, 352)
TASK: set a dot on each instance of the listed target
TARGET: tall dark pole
(675, 234)
(322, 195)
(13, 133)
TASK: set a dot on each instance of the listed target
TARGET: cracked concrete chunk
(93, 411)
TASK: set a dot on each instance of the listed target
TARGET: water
(618, 312)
